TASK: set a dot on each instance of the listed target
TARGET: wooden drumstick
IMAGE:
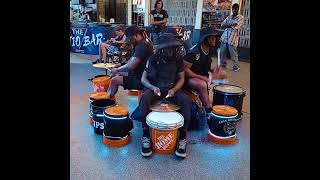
(218, 57)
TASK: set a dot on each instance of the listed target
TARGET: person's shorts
(132, 82)
(112, 49)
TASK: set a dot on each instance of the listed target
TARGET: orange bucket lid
(224, 110)
(100, 95)
(117, 110)
(101, 79)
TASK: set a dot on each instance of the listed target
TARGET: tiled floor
(91, 159)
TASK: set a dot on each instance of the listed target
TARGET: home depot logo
(164, 141)
(98, 87)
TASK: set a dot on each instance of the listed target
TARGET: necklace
(204, 51)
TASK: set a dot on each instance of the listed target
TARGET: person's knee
(145, 98)
(104, 45)
(184, 99)
(200, 86)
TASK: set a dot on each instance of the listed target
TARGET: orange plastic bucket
(101, 83)
(164, 126)
(133, 92)
(140, 93)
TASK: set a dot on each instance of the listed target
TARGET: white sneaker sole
(181, 155)
(146, 154)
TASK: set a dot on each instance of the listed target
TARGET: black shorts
(132, 82)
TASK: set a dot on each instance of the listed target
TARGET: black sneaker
(235, 69)
(181, 148)
(146, 147)
(97, 61)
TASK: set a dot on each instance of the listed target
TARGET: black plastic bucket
(97, 108)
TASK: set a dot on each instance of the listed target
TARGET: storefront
(186, 18)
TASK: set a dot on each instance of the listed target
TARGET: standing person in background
(230, 37)
(158, 21)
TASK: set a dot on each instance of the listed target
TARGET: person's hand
(156, 91)
(171, 93)
(233, 24)
(204, 78)
(215, 70)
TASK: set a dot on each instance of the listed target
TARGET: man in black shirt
(158, 21)
(135, 66)
(198, 64)
(163, 78)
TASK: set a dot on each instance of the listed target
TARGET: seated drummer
(111, 45)
(197, 64)
(163, 78)
(135, 66)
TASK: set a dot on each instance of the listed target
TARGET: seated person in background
(112, 45)
(135, 66)
(197, 64)
(163, 78)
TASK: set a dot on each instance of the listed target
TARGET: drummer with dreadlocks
(197, 65)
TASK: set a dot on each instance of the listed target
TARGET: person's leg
(100, 53)
(104, 48)
(184, 102)
(144, 105)
(116, 81)
(201, 88)
(234, 57)
(223, 54)
(145, 102)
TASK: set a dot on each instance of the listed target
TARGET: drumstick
(218, 57)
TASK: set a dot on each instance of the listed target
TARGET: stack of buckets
(100, 102)
(100, 86)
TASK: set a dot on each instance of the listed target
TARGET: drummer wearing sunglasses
(163, 79)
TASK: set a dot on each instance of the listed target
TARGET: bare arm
(122, 41)
(224, 24)
(145, 81)
(178, 85)
(152, 22)
(132, 64)
(238, 23)
(180, 81)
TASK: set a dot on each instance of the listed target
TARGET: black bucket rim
(97, 101)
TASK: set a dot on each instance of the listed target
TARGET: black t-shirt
(162, 72)
(201, 63)
(159, 16)
(119, 38)
(143, 50)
